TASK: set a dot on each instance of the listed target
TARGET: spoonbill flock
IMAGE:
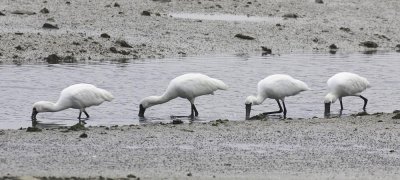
(191, 85)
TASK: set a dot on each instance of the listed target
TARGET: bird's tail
(220, 84)
(107, 95)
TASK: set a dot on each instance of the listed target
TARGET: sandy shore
(81, 23)
(341, 148)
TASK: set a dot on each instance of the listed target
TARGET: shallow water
(22, 85)
(224, 17)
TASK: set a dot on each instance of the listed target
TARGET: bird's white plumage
(187, 86)
(77, 96)
(277, 86)
(345, 84)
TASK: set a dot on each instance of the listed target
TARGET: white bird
(345, 84)
(188, 86)
(276, 87)
(77, 96)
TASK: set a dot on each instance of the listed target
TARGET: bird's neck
(258, 99)
(154, 100)
(53, 107)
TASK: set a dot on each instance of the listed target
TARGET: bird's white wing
(85, 95)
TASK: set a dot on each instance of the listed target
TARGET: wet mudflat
(132, 80)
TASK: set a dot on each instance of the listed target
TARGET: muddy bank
(350, 147)
(82, 30)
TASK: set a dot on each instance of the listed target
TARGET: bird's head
(146, 103)
(41, 106)
(249, 101)
(329, 99)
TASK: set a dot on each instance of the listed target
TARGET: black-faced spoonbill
(345, 84)
(188, 86)
(276, 87)
(77, 96)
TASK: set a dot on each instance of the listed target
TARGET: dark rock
(2, 14)
(360, 114)
(146, 13)
(345, 29)
(397, 116)
(50, 26)
(182, 53)
(113, 50)
(18, 48)
(44, 11)
(396, 111)
(53, 59)
(68, 2)
(370, 51)
(218, 6)
(242, 36)
(123, 43)
(83, 135)
(69, 59)
(77, 127)
(290, 15)
(116, 5)
(177, 121)
(157, 14)
(266, 50)
(33, 129)
(162, 1)
(18, 33)
(369, 44)
(391, 151)
(189, 174)
(131, 176)
(258, 117)
(333, 47)
(76, 43)
(105, 35)
(398, 46)
(123, 52)
(319, 1)
(22, 12)
(315, 40)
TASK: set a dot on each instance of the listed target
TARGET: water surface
(22, 85)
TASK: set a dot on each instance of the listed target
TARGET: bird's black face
(248, 109)
(327, 112)
(141, 111)
(34, 113)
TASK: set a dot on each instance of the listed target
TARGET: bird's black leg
(196, 113)
(87, 115)
(365, 101)
(341, 103)
(284, 109)
(274, 112)
(80, 113)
